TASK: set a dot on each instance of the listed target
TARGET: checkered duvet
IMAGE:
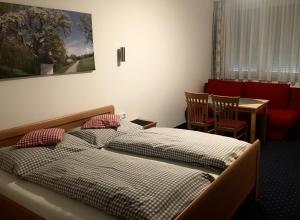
(193, 147)
(122, 185)
(22, 161)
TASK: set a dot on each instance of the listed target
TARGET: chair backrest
(197, 107)
(225, 108)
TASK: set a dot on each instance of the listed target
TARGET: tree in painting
(85, 25)
(32, 38)
(41, 35)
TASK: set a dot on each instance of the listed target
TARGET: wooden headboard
(12, 135)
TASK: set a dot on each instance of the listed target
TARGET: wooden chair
(197, 112)
(226, 116)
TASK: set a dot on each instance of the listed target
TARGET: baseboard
(182, 126)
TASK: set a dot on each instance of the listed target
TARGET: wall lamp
(121, 55)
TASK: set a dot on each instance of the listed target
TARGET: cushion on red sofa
(226, 88)
(278, 94)
(295, 98)
(283, 118)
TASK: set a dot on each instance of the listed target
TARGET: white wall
(168, 51)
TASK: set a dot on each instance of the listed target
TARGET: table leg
(265, 121)
(253, 127)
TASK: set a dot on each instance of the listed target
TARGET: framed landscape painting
(38, 41)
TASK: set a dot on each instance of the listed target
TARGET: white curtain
(262, 40)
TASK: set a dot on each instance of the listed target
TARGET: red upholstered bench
(226, 88)
(280, 121)
(294, 99)
(280, 117)
(284, 105)
(295, 102)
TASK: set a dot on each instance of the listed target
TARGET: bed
(219, 201)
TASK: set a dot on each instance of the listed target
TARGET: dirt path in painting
(73, 68)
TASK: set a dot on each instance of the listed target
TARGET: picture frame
(37, 41)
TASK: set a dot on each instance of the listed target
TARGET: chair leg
(216, 131)
(246, 135)
(235, 134)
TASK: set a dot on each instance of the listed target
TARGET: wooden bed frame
(219, 201)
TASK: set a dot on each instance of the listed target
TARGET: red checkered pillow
(103, 121)
(42, 137)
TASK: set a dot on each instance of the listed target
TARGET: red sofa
(283, 108)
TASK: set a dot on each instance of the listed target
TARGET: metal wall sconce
(121, 55)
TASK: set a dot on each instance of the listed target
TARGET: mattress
(51, 205)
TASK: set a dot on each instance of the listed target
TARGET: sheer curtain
(261, 40)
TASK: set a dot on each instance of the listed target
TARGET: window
(262, 39)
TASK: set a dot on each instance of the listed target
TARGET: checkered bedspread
(188, 146)
(122, 185)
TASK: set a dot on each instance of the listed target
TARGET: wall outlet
(122, 115)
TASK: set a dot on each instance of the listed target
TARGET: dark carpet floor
(279, 183)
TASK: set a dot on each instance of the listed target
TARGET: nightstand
(145, 124)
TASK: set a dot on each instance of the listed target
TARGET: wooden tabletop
(253, 104)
